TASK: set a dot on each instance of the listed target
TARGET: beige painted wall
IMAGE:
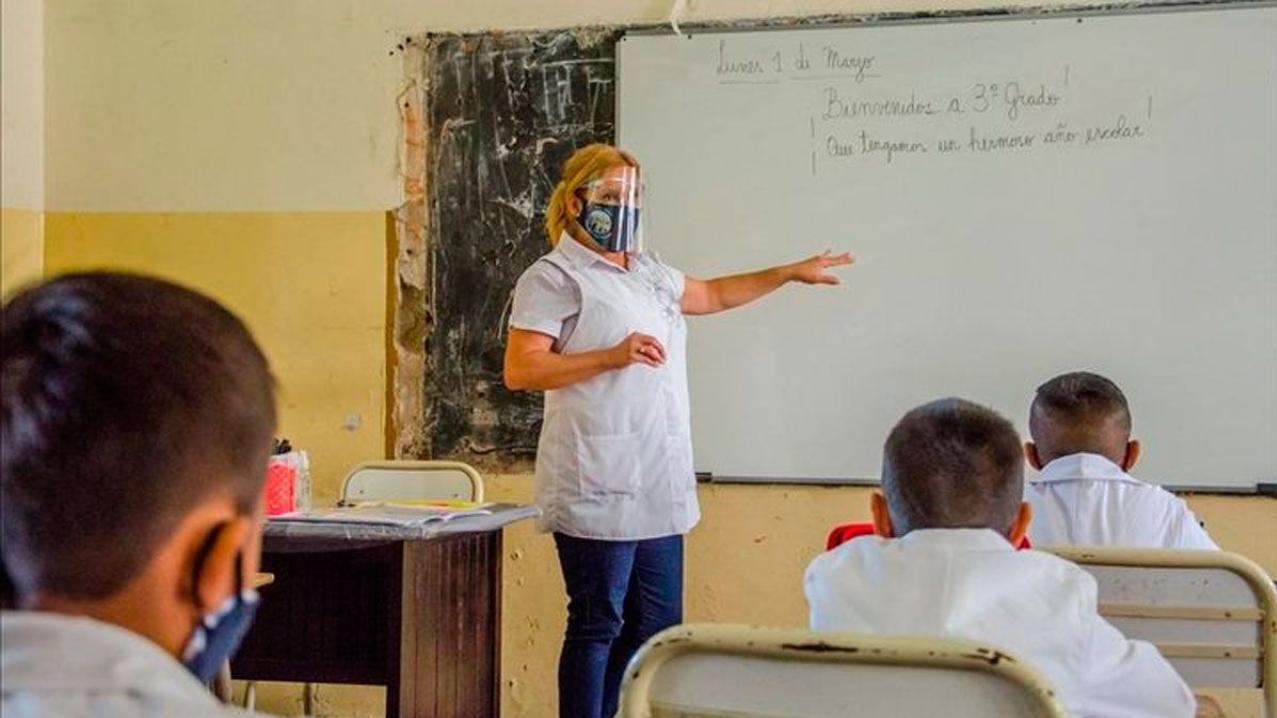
(238, 105)
(21, 142)
(22, 104)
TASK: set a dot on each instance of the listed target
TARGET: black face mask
(614, 227)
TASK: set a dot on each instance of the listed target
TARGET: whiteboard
(1025, 196)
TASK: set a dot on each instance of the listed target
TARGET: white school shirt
(970, 583)
(614, 460)
(1087, 500)
(68, 666)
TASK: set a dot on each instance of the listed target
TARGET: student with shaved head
(136, 419)
(1081, 428)
(943, 563)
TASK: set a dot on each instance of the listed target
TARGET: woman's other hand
(638, 349)
(813, 270)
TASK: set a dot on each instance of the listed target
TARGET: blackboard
(502, 112)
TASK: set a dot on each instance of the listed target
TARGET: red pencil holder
(281, 487)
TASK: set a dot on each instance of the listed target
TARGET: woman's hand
(812, 271)
(637, 349)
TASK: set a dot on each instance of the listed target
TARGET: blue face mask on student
(614, 227)
(219, 633)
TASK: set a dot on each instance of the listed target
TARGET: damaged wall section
(488, 120)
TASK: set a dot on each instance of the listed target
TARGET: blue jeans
(620, 593)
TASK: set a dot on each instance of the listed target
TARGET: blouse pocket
(609, 464)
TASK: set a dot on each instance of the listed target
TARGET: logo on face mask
(614, 227)
(598, 222)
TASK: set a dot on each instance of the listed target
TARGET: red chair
(843, 533)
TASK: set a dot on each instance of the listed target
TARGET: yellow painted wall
(21, 248)
(745, 563)
(311, 286)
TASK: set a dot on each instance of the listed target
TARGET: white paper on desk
(382, 515)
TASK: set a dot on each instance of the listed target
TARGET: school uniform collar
(1082, 467)
(582, 257)
(958, 540)
(54, 652)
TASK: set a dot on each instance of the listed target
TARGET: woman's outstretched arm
(707, 296)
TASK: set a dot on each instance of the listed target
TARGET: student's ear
(1020, 526)
(213, 563)
(1133, 451)
(1031, 455)
(882, 518)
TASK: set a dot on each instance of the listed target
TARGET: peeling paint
(819, 647)
(992, 657)
(412, 315)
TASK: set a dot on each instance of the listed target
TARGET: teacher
(598, 325)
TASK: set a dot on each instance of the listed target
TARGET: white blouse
(615, 456)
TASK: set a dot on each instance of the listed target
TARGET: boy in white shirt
(943, 563)
(1081, 428)
(137, 421)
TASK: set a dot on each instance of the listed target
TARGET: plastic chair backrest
(742, 671)
(412, 481)
(1212, 614)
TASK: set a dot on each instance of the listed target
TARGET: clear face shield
(610, 210)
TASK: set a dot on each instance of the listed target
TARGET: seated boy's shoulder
(851, 552)
(1143, 494)
(1058, 569)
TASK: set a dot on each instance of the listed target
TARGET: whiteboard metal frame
(704, 477)
(871, 20)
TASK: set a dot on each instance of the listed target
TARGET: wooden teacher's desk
(417, 610)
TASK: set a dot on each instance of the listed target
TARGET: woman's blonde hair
(584, 165)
